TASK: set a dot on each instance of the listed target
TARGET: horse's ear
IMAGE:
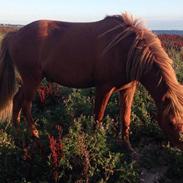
(167, 110)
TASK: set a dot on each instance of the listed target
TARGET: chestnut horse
(112, 55)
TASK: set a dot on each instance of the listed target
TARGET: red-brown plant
(56, 148)
(171, 41)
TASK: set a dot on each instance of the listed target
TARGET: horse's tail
(7, 80)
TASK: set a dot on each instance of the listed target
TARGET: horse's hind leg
(103, 94)
(29, 90)
(126, 100)
(17, 105)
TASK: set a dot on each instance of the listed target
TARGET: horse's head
(172, 124)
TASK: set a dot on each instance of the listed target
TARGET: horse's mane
(146, 50)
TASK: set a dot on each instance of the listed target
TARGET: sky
(157, 14)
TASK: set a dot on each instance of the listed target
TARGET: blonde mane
(146, 50)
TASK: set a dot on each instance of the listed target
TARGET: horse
(112, 55)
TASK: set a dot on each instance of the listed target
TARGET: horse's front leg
(126, 99)
(103, 94)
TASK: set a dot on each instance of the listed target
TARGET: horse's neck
(155, 86)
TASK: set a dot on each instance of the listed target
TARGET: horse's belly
(76, 77)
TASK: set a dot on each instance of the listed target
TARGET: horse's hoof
(98, 126)
(35, 133)
(135, 156)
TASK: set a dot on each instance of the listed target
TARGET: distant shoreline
(177, 32)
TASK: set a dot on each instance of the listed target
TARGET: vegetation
(71, 150)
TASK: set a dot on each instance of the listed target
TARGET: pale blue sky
(159, 14)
